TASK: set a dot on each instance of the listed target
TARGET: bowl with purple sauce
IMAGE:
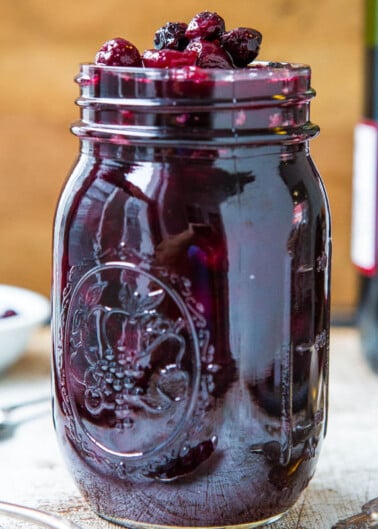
(21, 312)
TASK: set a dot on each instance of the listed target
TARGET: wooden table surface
(33, 473)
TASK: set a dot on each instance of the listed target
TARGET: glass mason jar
(191, 295)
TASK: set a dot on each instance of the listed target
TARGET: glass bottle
(191, 296)
(365, 210)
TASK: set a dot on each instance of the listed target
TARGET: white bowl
(31, 309)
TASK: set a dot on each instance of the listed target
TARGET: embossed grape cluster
(204, 42)
(121, 373)
(120, 377)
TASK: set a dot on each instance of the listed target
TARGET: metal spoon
(13, 416)
(366, 519)
(34, 515)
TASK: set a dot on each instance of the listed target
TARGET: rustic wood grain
(41, 45)
(33, 473)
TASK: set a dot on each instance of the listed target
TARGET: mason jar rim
(259, 70)
(261, 103)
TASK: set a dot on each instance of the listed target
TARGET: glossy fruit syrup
(191, 299)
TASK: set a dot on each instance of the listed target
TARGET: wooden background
(41, 45)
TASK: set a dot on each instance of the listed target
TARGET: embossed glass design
(191, 296)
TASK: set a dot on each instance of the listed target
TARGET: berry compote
(191, 295)
(8, 313)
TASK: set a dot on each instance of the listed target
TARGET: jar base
(130, 524)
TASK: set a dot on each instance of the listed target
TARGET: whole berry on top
(206, 25)
(203, 42)
(243, 44)
(171, 36)
(118, 52)
(167, 58)
(210, 54)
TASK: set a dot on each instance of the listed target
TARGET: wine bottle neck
(371, 59)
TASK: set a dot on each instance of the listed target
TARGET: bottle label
(364, 208)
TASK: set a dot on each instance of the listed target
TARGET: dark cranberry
(8, 313)
(243, 44)
(210, 54)
(171, 36)
(168, 58)
(206, 25)
(118, 52)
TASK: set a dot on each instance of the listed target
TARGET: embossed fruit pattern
(131, 361)
(116, 376)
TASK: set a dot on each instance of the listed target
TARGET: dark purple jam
(191, 298)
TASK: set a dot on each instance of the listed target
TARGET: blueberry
(243, 44)
(171, 36)
(206, 25)
(118, 52)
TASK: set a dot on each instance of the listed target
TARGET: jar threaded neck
(259, 104)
